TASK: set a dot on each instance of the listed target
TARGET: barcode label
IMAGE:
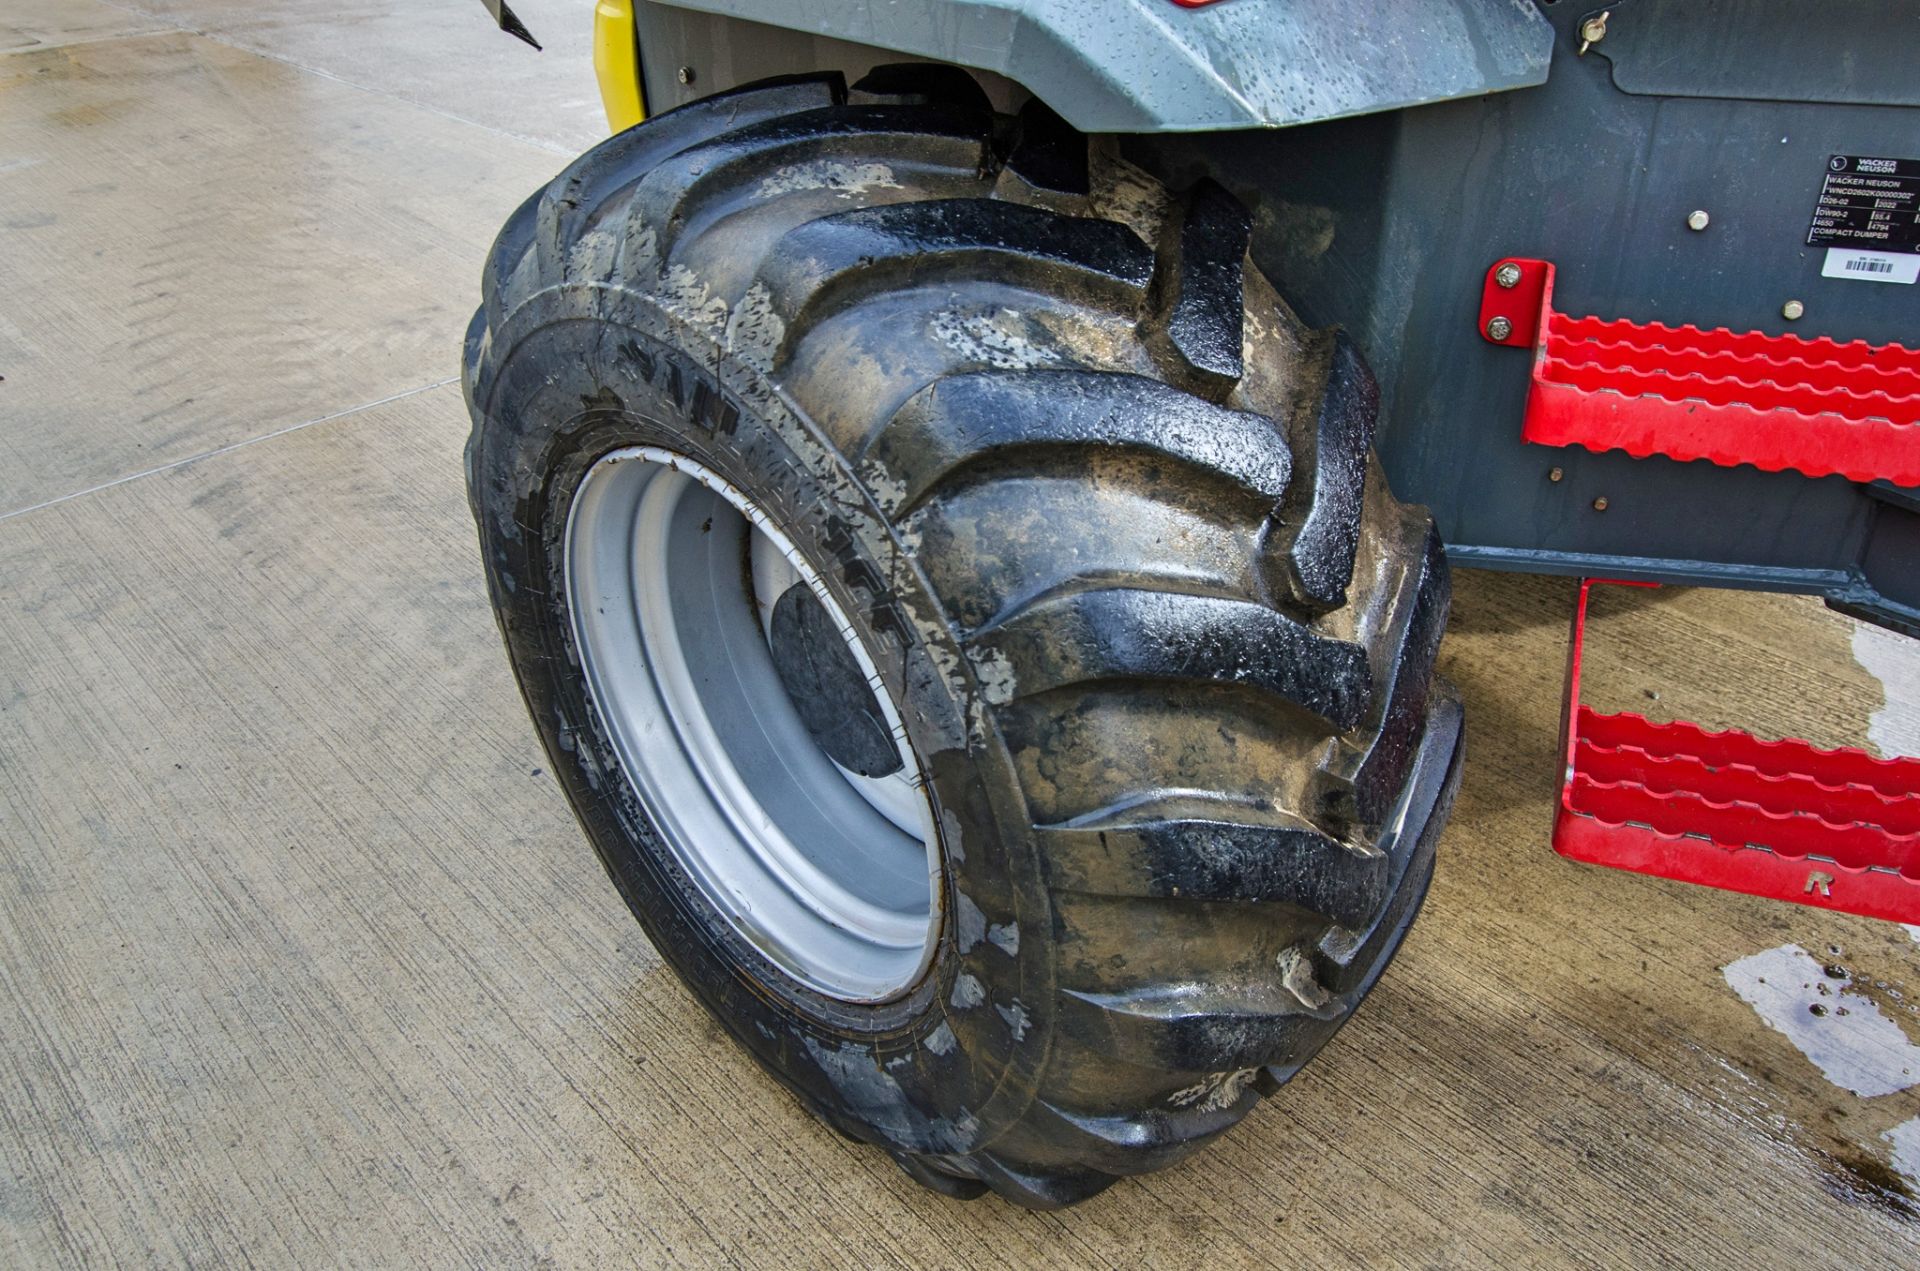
(1851, 262)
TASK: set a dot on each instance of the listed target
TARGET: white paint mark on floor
(1894, 660)
(1905, 1139)
(1912, 931)
(1843, 1033)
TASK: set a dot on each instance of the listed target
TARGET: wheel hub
(748, 717)
(827, 686)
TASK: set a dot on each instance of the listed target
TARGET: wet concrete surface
(303, 961)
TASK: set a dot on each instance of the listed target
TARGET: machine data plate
(1868, 219)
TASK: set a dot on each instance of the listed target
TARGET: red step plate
(1839, 829)
(1774, 401)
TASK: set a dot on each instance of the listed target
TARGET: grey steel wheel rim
(671, 573)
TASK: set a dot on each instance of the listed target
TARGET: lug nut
(1600, 504)
(1556, 474)
(1507, 275)
(1792, 310)
(1499, 328)
(685, 75)
(1697, 219)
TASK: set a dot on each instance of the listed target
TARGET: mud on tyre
(1095, 523)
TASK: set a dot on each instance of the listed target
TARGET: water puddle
(1841, 1031)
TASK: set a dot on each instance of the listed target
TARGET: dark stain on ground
(1858, 1179)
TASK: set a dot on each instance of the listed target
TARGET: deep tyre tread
(829, 150)
(1222, 859)
(1108, 515)
(572, 199)
(1133, 634)
(830, 264)
(1048, 153)
(980, 417)
(1200, 323)
(1325, 510)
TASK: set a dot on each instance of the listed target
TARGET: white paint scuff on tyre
(1217, 1093)
(755, 332)
(996, 340)
(877, 1099)
(995, 674)
(967, 992)
(969, 924)
(844, 179)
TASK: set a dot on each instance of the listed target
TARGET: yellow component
(616, 63)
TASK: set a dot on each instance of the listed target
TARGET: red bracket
(1838, 829)
(1776, 402)
(1519, 304)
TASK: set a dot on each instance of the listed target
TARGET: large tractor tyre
(960, 603)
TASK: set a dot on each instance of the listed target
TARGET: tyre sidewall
(575, 374)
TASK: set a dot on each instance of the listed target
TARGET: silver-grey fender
(1155, 66)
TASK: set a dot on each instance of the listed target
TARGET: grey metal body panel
(1152, 66)
(1865, 53)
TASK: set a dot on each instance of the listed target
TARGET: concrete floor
(303, 960)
